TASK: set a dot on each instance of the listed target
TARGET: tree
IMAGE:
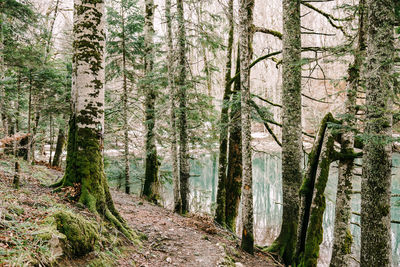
(124, 46)
(377, 159)
(342, 238)
(291, 131)
(220, 215)
(172, 119)
(150, 188)
(245, 40)
(85, 168)
(184, 168)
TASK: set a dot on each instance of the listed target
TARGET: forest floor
(168, 239)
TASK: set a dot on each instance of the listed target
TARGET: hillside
(33, 218)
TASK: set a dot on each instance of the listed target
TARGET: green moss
(81, 234)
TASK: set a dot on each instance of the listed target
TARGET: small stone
(238, 264)
(169, 260)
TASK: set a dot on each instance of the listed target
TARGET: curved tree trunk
(85, 167)
(377, 160)
(224, 121)
(308, 187)
(285, 244)
(245, 42)
(150, 189)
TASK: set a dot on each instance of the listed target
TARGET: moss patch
(81, 234)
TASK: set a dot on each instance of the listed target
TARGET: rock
(238, 264)
(169, 260)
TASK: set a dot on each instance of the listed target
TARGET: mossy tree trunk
(245, 47)
(85, 168)
(150, 188)
(125, 104)
(235, 169)
(308, 187)
(59, 147)
(342, 238)
(224, 121)
(184, 168)
(174, 153)
(377, 159)
(285, 243)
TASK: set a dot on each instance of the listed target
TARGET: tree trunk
(377, 159)
(184, 168)
(342, 238)
(59, 147)
(125, 105)
(224, 121)
(16, 181)
(285, 244)
(234, 176)
(245, 40)
(150, 189)
(51, 138)
(85, 167)
(174, 154)
(312, 199)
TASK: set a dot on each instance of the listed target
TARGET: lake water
(267, 182)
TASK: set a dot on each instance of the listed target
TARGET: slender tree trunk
(150, 189)
(235, 170)
(16, 181)
(3, 116)
(59, 147)
(285, 244)
(28, 145)
(85, 139)
(245, 40)
(224, 121)
(51, 138)
(184, 168)
(125, 105)
(377, 160)
(174, 153)
(342, 238)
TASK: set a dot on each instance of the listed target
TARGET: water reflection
(267, 182)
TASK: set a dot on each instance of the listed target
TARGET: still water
(267, 182)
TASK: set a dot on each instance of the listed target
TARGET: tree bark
(377, 160)
(59, 147)
(184, 168)
(85, 168)
(125, 105)
(235, 169)
(285, 244)
(245, 40)
(150, 189)
(308, 188)
(342, 238)
(171, 86)
(224, 121)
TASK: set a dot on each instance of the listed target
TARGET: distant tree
(124, 47)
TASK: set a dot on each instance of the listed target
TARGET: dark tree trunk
(59, 147)
(184, 168)
(150, 189)
(234, 176)
(224, 121)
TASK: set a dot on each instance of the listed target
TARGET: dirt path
(174, 240)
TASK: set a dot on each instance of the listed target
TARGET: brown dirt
(174, 240)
